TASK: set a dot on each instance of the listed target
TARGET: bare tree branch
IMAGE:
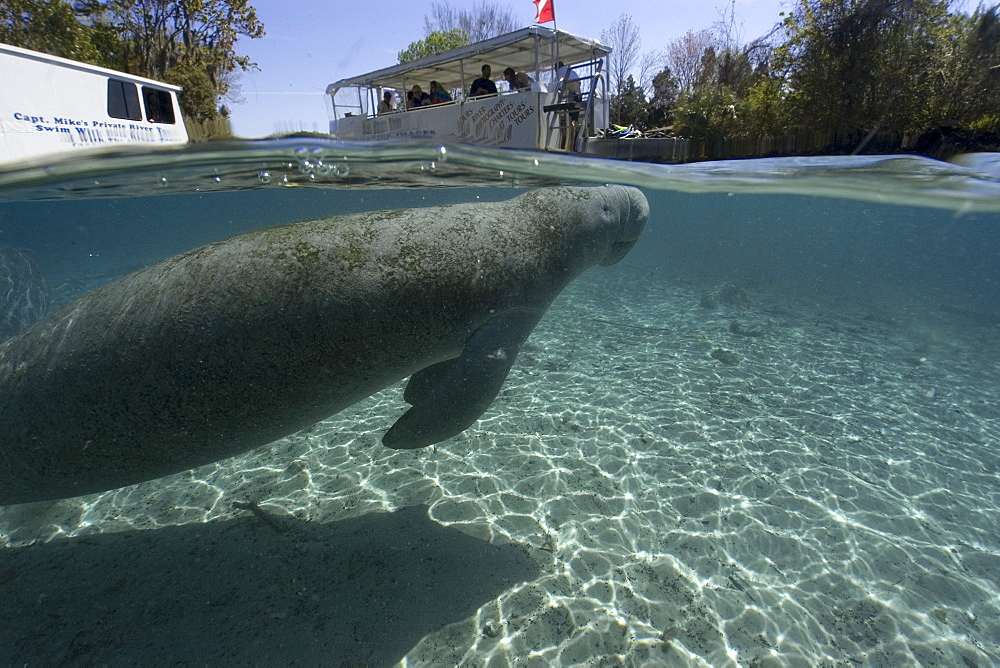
(623, 38)
(684, 56)
(483, 21)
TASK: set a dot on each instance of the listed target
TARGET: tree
(629, 106)
(683, 56)
(651, 64)
(188, 42)
(483, 21)
(966, 86)
(623, 38)
(733, 70)
(862, 64)
(706, 112)
(433, 44)
(49, 26)
(764, 111)
(662, 99)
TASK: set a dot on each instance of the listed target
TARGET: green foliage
(763, 111)
(859, 64)
(665, 92)
(850, 66)
(49, 26)
(966, 85)
(188, 42)
(198, 102)
(629, 107)
(705, 112)
(433, 44)
(987, 123)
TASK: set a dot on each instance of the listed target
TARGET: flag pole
(543, 9)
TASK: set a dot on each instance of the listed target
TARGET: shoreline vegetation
(834, 77)
(188, 43)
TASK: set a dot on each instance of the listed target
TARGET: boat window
(123, 100)
(159, 105)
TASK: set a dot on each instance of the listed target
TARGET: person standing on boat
(483, 85)
(569, 81)
(569, 91)
(386, 106)
(417, 98)
(438, 94)
(517, 80)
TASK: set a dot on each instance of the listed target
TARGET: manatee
(24, 292)
(236, 344)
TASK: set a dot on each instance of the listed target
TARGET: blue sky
(311, 43)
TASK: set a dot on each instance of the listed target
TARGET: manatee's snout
(629, 212)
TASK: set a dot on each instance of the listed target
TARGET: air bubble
(163, 180)
(323, 169)
(341, 170)
(306, 167)
(264, 177)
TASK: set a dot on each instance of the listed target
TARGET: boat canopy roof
(86, 67)
(530, 49)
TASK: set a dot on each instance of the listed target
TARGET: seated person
(483, 85)
(438, 94)
(517, 80)
(417, 98)
(386, 105)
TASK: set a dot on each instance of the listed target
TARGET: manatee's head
(624, 211)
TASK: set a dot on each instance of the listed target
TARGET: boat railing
(564, 115)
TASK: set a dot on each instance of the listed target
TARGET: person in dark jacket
(483, 85)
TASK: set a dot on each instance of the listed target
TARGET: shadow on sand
(251, 591)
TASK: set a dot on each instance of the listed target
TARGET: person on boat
(417, 98)
(483, 85)
(569, 91)
(438, 94)
(569, 88)
(569, 81)
(517, 80)
(386, 106)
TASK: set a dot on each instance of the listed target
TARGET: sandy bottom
(633, 497)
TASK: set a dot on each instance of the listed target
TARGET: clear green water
(629, 499)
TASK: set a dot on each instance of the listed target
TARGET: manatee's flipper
(423, 382)
(449, 396)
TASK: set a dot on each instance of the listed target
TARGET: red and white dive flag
(544, 12)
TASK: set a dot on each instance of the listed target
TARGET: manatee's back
(244, 341)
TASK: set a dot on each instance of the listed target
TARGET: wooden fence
(933, 143)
